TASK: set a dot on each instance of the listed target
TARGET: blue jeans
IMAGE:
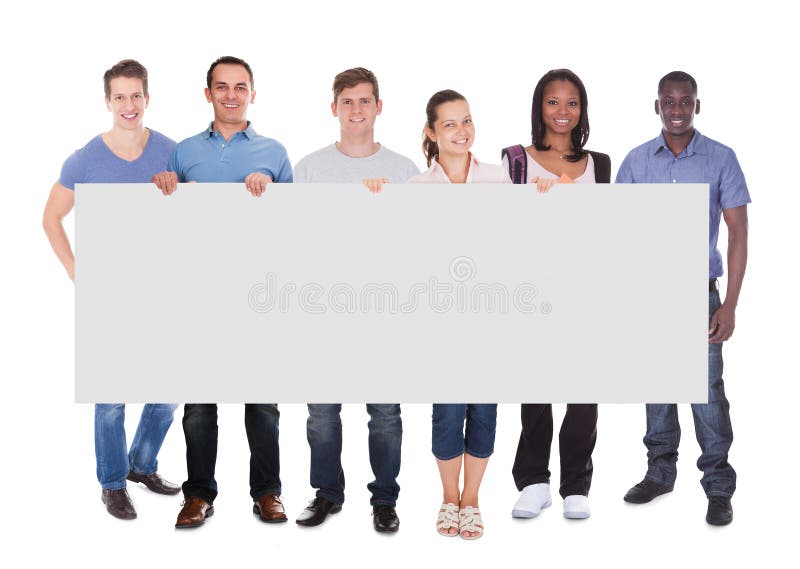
(712, 427)
(200, 430)
(114, 460)
(324, 432)
(449, 437)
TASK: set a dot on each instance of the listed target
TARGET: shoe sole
(632, 500)
(159, 492)
(576, 515)
(334, 510)
(527, 514)
(209, 513)
(124, 518)
(718, 523)
(154, 490)
(257, 512)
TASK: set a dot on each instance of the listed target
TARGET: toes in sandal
(448, 518)
(469, 519)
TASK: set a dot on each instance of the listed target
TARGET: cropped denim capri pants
(452, 438)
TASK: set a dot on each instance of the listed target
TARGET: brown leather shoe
(269, 508)
(155, 483)
(194, 513)
(119, 504)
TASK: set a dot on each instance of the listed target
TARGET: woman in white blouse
(462, 434)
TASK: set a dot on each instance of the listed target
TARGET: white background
(742, 55)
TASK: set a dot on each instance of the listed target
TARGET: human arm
(59, 204)
(723, 321)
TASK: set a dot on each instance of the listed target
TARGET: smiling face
(677, 104)
(357, 109)
(126, 102)
(453, 130)
(561, 107)
(230, 93)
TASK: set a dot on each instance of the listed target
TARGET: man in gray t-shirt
(355, 158)
(333, 164)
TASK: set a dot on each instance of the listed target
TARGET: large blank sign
(423, 293)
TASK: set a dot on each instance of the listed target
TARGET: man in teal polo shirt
(229, 150)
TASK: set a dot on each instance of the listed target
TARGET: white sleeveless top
(536, 169)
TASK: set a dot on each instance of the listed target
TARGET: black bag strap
(602, 167)
(517, 163)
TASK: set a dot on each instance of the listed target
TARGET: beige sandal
(448, 518)
(469, 519)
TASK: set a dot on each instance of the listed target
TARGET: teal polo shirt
(208, 157)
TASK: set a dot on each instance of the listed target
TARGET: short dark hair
(580, 133)
(349, 78)
(429, 148)
(679, 76)
(125, 68)
(229, 60)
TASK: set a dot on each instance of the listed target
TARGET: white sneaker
(576, 507)
(531, 501)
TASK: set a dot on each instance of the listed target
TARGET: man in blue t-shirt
(680, 154)
(229, 150)
(128, 152)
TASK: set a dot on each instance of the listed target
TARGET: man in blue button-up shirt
(680, 154)
(229, 150)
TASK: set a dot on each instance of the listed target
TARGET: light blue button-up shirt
(703, 161)
(208, 157)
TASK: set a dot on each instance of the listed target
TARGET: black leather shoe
(316, 511)
(720, 512)
(155, 483)
(385, 519)
(119, 504)
(645, 491)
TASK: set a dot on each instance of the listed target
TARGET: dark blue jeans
(200, 430)
(712, 427)
(324, 432)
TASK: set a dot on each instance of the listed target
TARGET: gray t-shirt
(329, 165)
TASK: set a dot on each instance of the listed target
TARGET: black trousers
(200, 431)
(576, 441)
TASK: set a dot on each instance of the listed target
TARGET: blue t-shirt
(703, 161)
(208, 157)
(95, 163)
